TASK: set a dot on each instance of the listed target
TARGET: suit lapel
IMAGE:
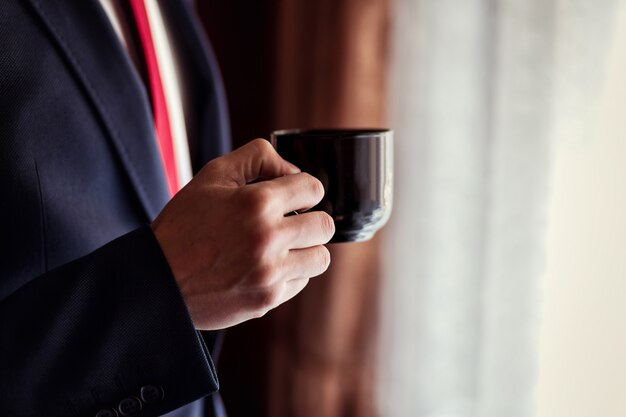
(86, 38)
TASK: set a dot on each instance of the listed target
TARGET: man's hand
(233, 252)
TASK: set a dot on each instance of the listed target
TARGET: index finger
(294, 192)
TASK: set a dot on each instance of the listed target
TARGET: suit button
(129, 406)
(106, 413)
(151, 393)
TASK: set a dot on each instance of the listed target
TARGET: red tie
(159, 105)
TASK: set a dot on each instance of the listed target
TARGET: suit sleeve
(108, 330)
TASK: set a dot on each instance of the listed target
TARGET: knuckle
(324, 259)
(265, 299)
(327, 225)
(261, 240)
(262, 146)
(272, 298)
(261, 312)
(215, 165)
(316, 187)
(259, 200)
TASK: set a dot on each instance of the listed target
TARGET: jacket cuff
(174, 356)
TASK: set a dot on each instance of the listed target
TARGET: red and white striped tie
(159, 104)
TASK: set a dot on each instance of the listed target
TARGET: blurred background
(499, 286)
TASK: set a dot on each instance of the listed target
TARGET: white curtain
(481, 93)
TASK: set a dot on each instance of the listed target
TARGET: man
(104, 282)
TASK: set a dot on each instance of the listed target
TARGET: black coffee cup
(356, 168)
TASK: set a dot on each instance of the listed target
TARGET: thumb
(255, 160)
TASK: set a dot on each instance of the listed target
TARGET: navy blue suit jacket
(89, 309)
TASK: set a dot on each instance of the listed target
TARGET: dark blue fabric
(89, 310)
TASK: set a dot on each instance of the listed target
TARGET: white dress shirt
(170, 77)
